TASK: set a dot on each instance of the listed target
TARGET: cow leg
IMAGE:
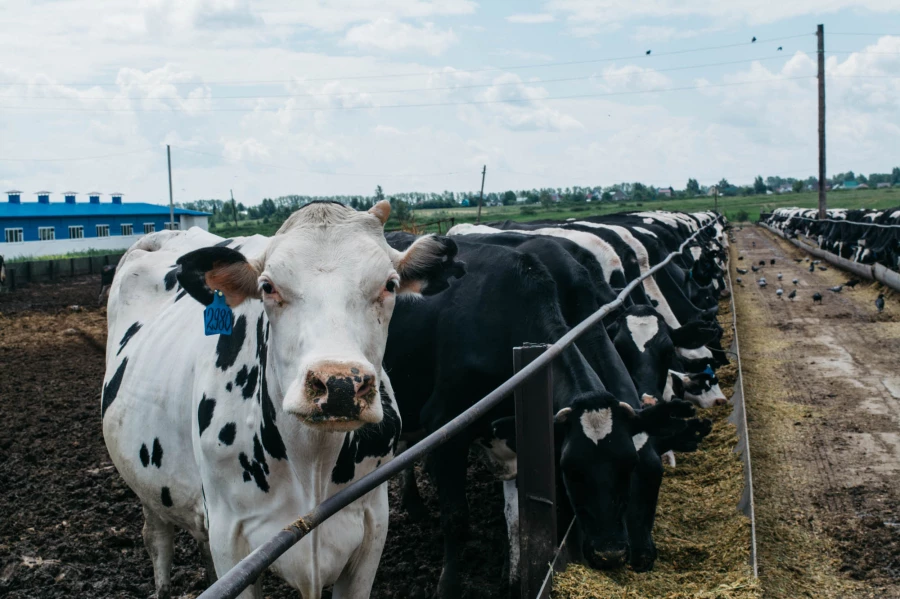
(511, 511)
(355, 582)
(159, 539)
(208, 562)
(228, 548)
(450, 462)
(410, 500)
(645, 483)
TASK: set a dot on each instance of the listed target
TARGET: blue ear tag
(708, 370)
(218, 317)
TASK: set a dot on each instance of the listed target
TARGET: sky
(268, 98)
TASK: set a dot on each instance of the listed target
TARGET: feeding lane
(233, 582)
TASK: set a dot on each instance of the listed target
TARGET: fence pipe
(245, 573)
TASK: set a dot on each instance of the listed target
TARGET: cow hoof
(164, 592)
(642, 559)
(447, 589)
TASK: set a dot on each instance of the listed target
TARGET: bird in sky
(648, 52)
(753, 40)
(779, 48)
(879, 303)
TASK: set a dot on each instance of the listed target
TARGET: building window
(14, 235)
(46, 233)
(76, 232)
(171, 226)
(102, 230)
(127, 229)
(149, 228)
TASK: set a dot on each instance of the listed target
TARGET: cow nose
(607, 560)
(340, 389)
(721, 401)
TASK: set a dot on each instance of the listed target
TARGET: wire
(432, 72)
(866, 34)
(75, 159)
(392, 91)
(425, 105)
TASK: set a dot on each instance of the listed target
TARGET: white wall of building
(56, 247)
(188, 221)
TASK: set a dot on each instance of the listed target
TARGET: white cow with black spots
(232, 437)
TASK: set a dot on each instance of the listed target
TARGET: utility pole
(820, 35)
(481, 196)
(171, 201)
(233, 206)
(716, 199)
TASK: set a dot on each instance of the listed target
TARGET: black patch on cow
(271, 438)
(166, 497)
(156, 456)
(180, 295)
(223, 243)
(229, 386)
(238, 247)
(369, 441)
(241, 379)
(145, 455)
(226, 435)
(205, 412)
(194, 266)
(111, 389)
(128, 335)
(257, 468)
(250, 386)
(229, 346)
(171, 278)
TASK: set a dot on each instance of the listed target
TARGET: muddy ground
(70, 527)
(822, 385)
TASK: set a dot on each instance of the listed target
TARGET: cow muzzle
(609, 558)
(339, 396)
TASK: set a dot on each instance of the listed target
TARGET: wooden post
(536, 479)
(233, 206)
(481, 195)
(716, 199)
(71, 267)
(820, 35)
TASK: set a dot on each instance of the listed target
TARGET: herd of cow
(862, 235)
(348, 344)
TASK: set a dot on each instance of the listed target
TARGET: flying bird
(779, 48)
(879, 303)
(792, 294)
(817, 298)
(753, 40)
(836, 288)
(851, 283)
(648, 52)
(779, 292)
(743, 271)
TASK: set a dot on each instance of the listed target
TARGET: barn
(44, 228)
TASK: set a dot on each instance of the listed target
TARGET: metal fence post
(11, 279)
(536, 479)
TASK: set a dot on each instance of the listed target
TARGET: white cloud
(394, 36)
(632, 78)
(531, 18)
(244, 149)
(162, 15)
(662, 33)
(517, 106)
(336, 15)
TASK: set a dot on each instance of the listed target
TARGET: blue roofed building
(48, 228)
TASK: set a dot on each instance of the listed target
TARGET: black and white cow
(231, 437)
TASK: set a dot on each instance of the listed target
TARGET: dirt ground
(70, 527)
(822, 386)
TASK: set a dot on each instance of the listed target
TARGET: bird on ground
(817, 261)
(795, 281)
(779, 292)
(807, 258)
(743, 271)
(851, 283)
(792, 294)
(798, 260)
(753, 40)
(823, 268)
(779, 48)
(879, 303)
(772, 261)
(762, 282)
(762, 262)
(739, 281)
(836, 288)
(648, 52)
(754, 243)
(779, 276)
(754, 268)
(817, 298)
(812, 268)
(740, 257)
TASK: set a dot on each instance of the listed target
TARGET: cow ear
(677, 385)
(693, 335)
(382, 210)
(663, 419)
(427, 265)
(218, 268)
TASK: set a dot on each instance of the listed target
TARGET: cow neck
(573, 376)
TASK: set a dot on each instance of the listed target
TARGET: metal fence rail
(245, 573)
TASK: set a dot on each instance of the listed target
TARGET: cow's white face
(328, 281)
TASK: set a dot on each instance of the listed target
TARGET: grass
(752, 205)
(82, 254)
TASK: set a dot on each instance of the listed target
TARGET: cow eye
(267, 287)
(391, 285)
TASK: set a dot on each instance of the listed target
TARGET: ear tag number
(218, 317)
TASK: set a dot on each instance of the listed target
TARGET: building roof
(82, 209)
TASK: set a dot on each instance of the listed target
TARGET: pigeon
(762, 282)
(754, 243)
(779, 276)
(817, 261)
(823, 268)
(836, 288)
(762, 262)
(779, 48)
(754, 268)
(753, 40)
(812, 268)
(817, 298)
(795, 281)
(772, 261)
(779, 292)
(648, 52)
(798, 260)
(879, 303)
(807, 258)
(792, 294)
(743, 271)
(851, 283)
(739, 281)
(740, 257)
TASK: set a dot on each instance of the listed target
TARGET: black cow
(107, 273)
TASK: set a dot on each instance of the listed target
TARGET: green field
(752, 205)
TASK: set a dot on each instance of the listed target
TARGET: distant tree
(895, 175)
(797, 186)
(759, 186)
(545, 198)
(723, 185)
(639, 192)
(379, 195)
(354, 203)
(606, 196)
(849, 176)
(399, 209)
(692, 188)
(509, 198)
(861, 178)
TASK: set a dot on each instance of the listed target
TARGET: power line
(423, 105)
(393, 91)
(864, 34)
(76, 159)
(437, 71)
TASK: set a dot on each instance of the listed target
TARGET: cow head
(647, 346)
(701, 388)
(328, 282)
(599, 451)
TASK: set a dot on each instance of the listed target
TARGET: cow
(232, 436)
(107, 273)
(447, 351)
(2, 271)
